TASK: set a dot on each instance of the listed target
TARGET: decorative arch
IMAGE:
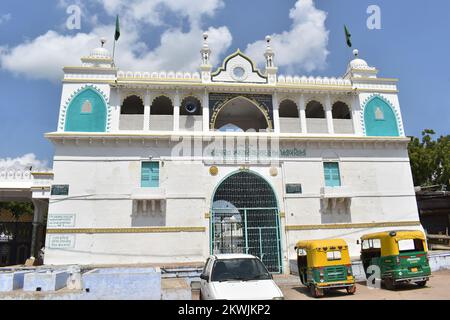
(128, 94)
(315, 109)
(224, 103)
(87, 110)
(191, 100)
(252, 214)
(163, 94)
(157, 109)
(288, 109)
(132, 104)
(380, 118)
(341, 110)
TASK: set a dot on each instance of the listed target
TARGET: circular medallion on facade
(273, 172)
(214, 170)
(239, 73)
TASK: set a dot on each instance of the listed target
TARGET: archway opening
(245, 219)
(289, 117)
(132, 113)
(191, 114)
(342, 118)
(315, 118)
(161, 114)
(241, 114)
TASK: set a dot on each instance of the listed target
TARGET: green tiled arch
(93, 118)
(380, 119)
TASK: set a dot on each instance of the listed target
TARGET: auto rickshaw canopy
(316, 252)
(389, 240)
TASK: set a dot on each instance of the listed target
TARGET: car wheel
(351, 290)
(389, 283)
(316, 292)
(421, 283)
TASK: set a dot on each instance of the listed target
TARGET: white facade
(110, 217)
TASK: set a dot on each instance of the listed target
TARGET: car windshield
(239, 269)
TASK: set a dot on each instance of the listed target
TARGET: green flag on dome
(117, 34)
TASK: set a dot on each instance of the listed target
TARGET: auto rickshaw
(400, 255)
(324, 265)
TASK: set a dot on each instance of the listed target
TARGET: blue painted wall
(380, 119)
(93, 121)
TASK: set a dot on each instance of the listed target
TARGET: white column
(115, 121)
(147, 111)
(176, 112)
(276, 113)
(205, 111)
(302, 111)
(329, 115)
(40, 209)
(356, 113)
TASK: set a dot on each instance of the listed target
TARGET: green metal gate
(245, 219)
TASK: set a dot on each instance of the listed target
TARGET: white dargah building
(170, 167)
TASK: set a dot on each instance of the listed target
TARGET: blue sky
(412, 46)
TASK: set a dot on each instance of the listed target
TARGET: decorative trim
(213, 171)
(42, 173)
(127, 230)
(216, 108)
(224, 66)
(62, 120)
(40, 188)
(126, 94)
(395, 110)
(162, 94)
(353, 225)
(169, 135)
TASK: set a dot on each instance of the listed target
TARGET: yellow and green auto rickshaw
(400, 255)
(324, 265)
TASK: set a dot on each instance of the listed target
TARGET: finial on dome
(356, 52)
(205, 36)
(268, 39)
(103, 41)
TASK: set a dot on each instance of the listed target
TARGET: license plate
(414, 270)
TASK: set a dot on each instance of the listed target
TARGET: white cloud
(5, 18)
(24, 162)
(44, 56)
(304, 46)
(152, 11)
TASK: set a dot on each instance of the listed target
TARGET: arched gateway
(245, 219)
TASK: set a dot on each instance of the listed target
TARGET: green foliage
(430, 159)
(18, 208)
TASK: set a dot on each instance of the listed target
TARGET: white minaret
(206, 66)
(271, 70)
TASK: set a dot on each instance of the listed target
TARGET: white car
(237, 277)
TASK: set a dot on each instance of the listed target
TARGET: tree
(17, 209)
(430, 159)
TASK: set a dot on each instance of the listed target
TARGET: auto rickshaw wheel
(351, 289)
(389, 283)
(421, 283)
(316, 292)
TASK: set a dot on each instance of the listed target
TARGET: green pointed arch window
(380, 119)
(87, 112)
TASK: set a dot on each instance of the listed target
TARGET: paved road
(438, 288)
